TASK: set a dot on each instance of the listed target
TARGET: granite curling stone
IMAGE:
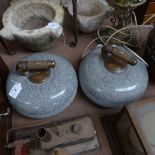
(110, 89)
(47, 98)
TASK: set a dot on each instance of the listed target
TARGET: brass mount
(116, 60)
(36, 71)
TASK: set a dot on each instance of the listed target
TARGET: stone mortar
(26, 22)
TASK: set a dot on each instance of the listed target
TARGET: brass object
(27, 66)
(121, 17)
(114, 65)
(36, 71)
(43, 135)
(39, 77)
(116, 60)
(73, 43)
(123, 11)
(120, 54)
(126, 3)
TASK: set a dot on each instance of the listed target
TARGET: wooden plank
(150, 8)
(146, 17)
(6, 123)
(4, 71)
(135, 112)
(140, 11)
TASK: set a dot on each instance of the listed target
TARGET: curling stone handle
(119, 54)
(23, 67)
(6, 34)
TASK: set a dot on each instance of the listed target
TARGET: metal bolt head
(76, 128)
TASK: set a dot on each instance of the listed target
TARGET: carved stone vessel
(34, 24)
(90, 13)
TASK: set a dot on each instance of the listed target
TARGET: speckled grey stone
(46, 99)
(109, 89)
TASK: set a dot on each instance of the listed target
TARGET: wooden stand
(117, 128)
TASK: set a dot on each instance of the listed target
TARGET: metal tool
(76, 135)
(73, 44)
(123, 11)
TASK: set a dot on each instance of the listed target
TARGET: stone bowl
(90, 13)
(34, 24)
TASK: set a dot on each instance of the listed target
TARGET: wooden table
(136, 112)
(81, 105)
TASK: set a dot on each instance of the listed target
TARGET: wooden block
(150, 8)
(147, 16)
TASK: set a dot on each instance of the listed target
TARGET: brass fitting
(24, 67)
(119, 54)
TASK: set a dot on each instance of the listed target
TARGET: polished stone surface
(109, 89)
(48, 98)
